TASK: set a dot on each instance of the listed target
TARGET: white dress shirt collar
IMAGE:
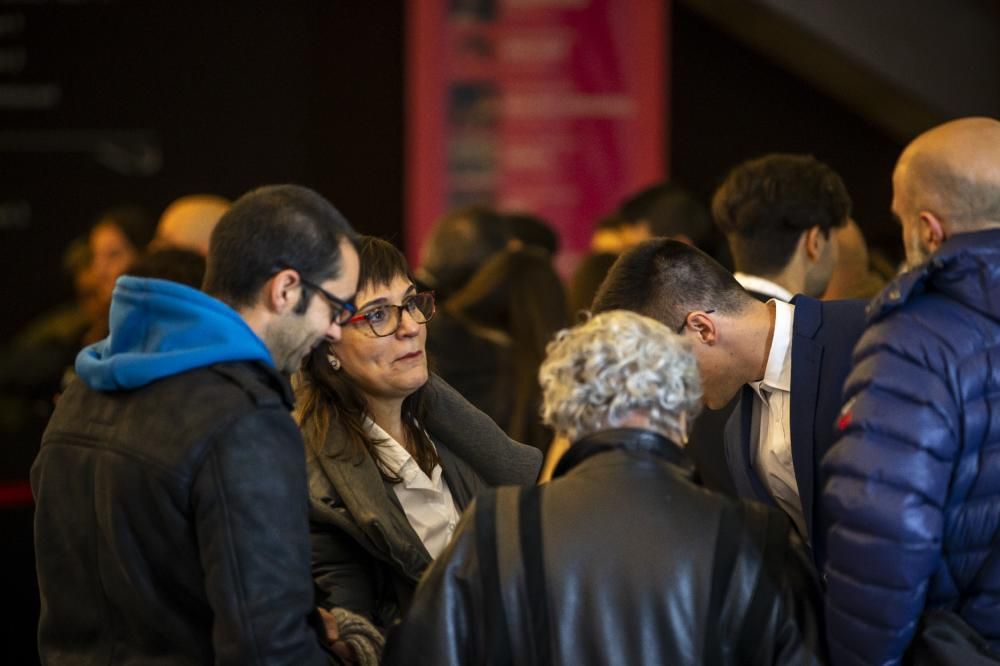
(778, 371)
(771, 448)
(426, 500)
(763, 286)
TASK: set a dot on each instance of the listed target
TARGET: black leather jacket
(171, 524)
(639, 566)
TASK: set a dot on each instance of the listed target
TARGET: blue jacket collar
(974, 254)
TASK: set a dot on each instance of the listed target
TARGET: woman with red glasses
(394, 454)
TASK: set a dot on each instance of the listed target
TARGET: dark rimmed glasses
(340, 311)
(680, 329)
(384, 320)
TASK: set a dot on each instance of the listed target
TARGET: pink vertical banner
(552, 107)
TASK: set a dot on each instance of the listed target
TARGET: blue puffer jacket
(913, 483)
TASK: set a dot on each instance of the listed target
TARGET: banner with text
(550, 107)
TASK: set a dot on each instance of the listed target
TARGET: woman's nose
(408, 326)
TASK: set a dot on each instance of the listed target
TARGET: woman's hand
(339, 647)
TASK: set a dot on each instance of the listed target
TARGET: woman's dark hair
(325, 396)
(519, 294)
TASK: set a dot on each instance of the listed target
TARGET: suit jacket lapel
(807, 357)
(738, 441)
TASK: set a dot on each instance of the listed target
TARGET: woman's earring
(334, 362)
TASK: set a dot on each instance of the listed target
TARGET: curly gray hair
(616, 364)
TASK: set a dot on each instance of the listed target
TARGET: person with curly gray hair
(619, 369)
(622, 558)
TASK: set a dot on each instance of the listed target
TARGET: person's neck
(635, 419)
(764, 320)
(792, 278)
(388, 415)
(257, 319)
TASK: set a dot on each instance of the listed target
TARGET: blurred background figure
(616, 233)
(607, 242)
(667, 210)
(117, 239)
(33, 364)
(501, 300)
(457, 246)
(490, 339)
(779, 213)
(187, 223)
(530, 231)
(663, 209)
(171, 263)
(857, 274)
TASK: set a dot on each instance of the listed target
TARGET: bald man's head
(947, 181)
(187, 223)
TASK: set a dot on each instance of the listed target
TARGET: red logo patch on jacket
(846, 414)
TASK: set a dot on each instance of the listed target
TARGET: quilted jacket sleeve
(249, 499)
(887, 484)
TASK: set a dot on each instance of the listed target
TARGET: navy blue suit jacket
(823, 336)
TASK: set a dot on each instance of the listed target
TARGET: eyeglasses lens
(386, 320)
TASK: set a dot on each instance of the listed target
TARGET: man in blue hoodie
(171, 510)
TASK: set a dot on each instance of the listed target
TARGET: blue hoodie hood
(161, 328)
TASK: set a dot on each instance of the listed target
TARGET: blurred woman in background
(511, 307)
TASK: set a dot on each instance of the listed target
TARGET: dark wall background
(231, 95)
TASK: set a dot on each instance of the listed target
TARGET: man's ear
(704, 327)
(932, 231)
(280, 292)
(815, 240)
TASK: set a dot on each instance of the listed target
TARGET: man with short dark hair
(171, 510)
(786, 360)
(777, 212)
(913, 483)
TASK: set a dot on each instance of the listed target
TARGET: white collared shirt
(763, 286)
(772, 453)
(427, 501)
